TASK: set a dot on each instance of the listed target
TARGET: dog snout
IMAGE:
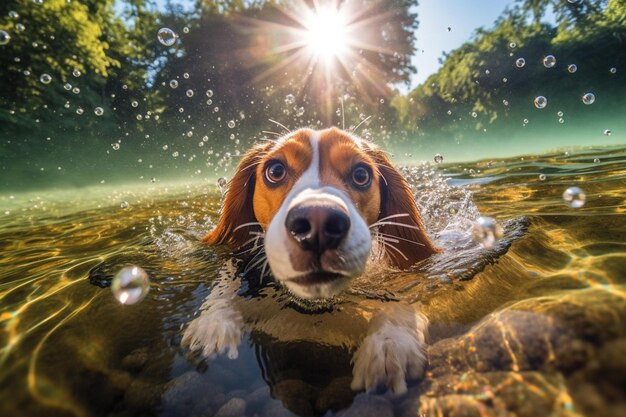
(317, 228)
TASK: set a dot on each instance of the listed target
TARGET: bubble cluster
(574, 197)
(487, 232)
(438, 158)
(221, 183)
(130, 285)
(167, 36)
(541, 102)
(549, 61)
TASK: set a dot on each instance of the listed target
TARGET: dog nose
(317, 228)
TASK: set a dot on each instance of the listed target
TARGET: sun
(326, 34)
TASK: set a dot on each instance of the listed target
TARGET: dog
(314, 208)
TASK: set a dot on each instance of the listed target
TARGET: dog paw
(215, 331)
(392, 352)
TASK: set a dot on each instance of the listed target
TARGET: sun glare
(326, 34)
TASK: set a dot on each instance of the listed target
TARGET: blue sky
(433, 37)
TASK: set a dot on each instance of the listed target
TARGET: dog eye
(361, 176)
(275, 172)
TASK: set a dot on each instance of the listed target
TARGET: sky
(433, 36)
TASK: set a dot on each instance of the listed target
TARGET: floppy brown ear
(413, 243)
(237, 208)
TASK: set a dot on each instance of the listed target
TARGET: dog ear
(237, 208)
(413, 243)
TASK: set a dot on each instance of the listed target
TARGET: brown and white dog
(324, 202)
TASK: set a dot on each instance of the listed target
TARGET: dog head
(322, 199)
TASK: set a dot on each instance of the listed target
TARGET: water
(523, 319)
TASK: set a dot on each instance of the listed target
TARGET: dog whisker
(393, 216)
(271, 133)
(241, 226)
(390, 246)
(359, 125)
(281, 125)
(388, 236)
(253, 264)
(408, 226)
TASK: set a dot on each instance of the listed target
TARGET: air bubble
(134, 103)
(186, 75)
(98, 111)
(79, 111)
(438, 158)
(4, 37)
(76, 90)
(542, 177)
(221, 183)
(45, 79)
(189, 93)
(486, 231)
(231, 124)
(549, 61)
(167, 36)
(572, 68)
(130, 285)
(588, 98)
(520, 62)
(76, 73)
(613, 70)
(574, 197)
(608, 132)
(541, 102)
(209, 93)
(173, 84)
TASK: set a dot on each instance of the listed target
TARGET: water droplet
(572, 68)
(486, 231)
(167, 36)
(596, 160)
(45, 78)
(607, 132)
(173, 84)
(4, 37)
(541, 102)
(189, 93)
(549, 61)
(613, 70)
(76, 73)
(438, 158)
(130, 285)
(209, 93)
(520, 62)
(221, 183)
(574, 197)
(231, 124)
(589, 98)
(99, 111)
(542, 177)
(79, 111)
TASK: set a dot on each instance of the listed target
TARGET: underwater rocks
(551, 355)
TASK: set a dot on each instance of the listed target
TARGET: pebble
(369, 406)
(142, 395)
(236, 407)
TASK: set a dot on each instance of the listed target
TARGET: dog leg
(218, 327)
(393, 351)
